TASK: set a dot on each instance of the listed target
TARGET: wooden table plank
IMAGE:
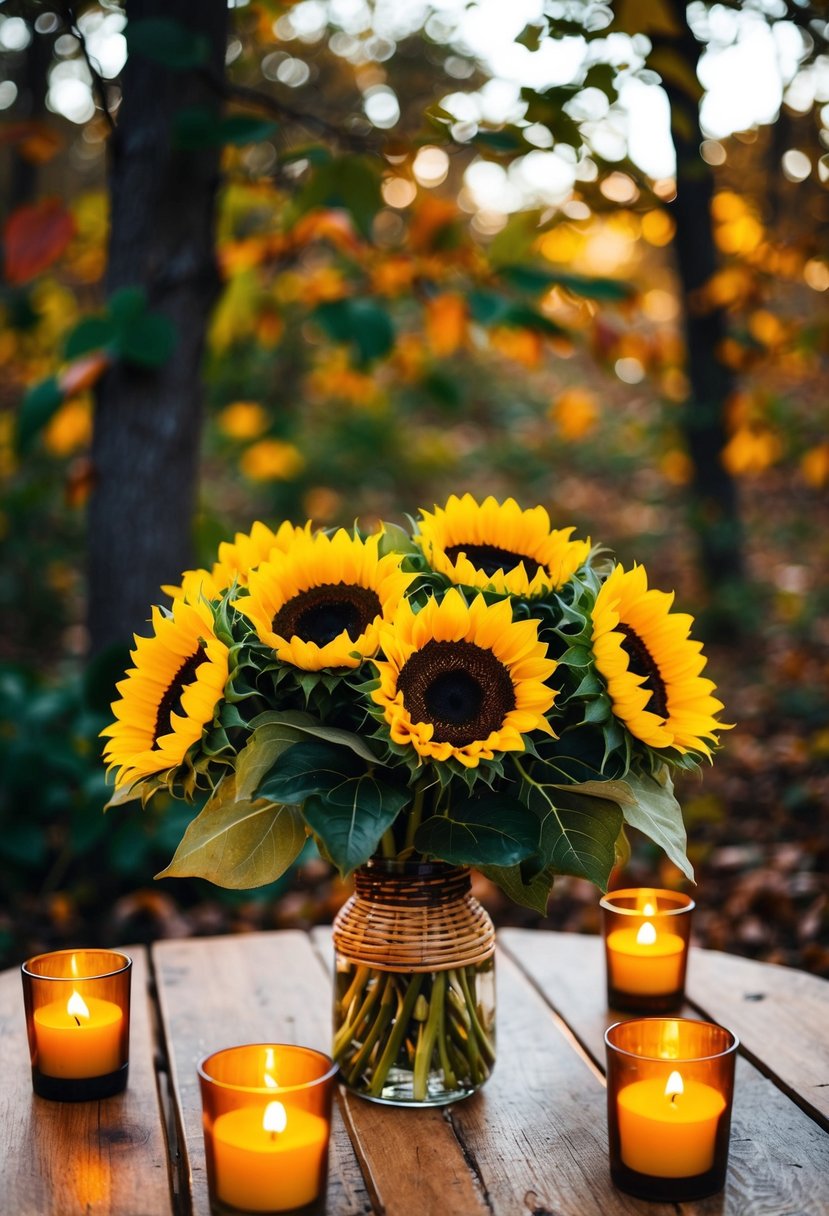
(412, 1159)
(259, 987)
(106, 1158)
(779, 1159)
(780, 1016)
(537, 1131)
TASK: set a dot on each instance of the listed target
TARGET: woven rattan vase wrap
(409, 917)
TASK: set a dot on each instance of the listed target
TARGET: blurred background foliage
(544, 252)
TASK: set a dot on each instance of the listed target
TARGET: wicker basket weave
(413, 918)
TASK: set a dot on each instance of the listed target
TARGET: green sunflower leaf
(260, 754)
(494, 830)
(577, 827)
(652, 808)
(352, 817)
(306, 724)
(534, 892)
(238, 843)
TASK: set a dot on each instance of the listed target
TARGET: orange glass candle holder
(78, 1022)
(646, 936)
(670, 1084)
(267, 1122)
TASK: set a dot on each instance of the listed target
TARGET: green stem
(487, 1050)
(384, 1015)
(443, 1047)
(350, 1027)
(396, 1037)
(426, 1041)
(357, 984)
(413, 822)
(388, 845)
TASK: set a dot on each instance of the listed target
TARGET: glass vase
(414, 992)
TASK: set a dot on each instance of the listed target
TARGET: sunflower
(236, 559)
(169, 696)
(499, 547)
(651, 666)
(321, 604)
(463, 681)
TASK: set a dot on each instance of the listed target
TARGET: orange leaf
(445, 317)
(34, 237)
(83, 373)
(36, 142)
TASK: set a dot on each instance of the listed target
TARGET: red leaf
(34, 237)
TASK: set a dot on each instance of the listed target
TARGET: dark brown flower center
(491, 559)
(170, 703)
(320, 614)
(458, 687)
(641, 663)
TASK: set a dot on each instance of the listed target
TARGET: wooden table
(533, 1142)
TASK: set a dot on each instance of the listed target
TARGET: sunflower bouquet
(481, 690)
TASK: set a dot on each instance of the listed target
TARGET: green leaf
(37, 407)
(535, 279)
(535, 893)
(92, 333)
(351, 182)
(577, 828)
(394, 539)
(127, 305)
(306, 724)
(239, 129)
(168, 42)
(531, 36)
(260, 754)
(238, 843)
(309, 768)
(352, 817)
(197, 127)
(507, 141)
(149, 342)
(653, 809)
(495, 830)
(363, 323)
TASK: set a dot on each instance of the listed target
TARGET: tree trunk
(147, 422)
(714, 506)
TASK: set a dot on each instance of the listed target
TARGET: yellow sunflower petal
(651, 666)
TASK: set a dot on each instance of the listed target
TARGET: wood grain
(779, 1158)
(780, 1015)
(106, 1158)
(411, 1159)
(221, 991)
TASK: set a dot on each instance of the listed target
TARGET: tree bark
(145, 448)
(714, 505)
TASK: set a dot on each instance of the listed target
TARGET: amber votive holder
(646, 933)
(267, 1123)
(78, 1022)
(670, 1085)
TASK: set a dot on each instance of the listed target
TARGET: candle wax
(78, 1047)
(261, 1171)
(647, 969)
(669, 1137)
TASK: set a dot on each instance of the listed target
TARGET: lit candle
(645, 961)
(77, 1038)
(669, 1129)
(271, 1160)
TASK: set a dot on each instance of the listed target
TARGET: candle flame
(649, 910)
(674, 1085)
(76, 1006)
(274, 1119)
(646, 935)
